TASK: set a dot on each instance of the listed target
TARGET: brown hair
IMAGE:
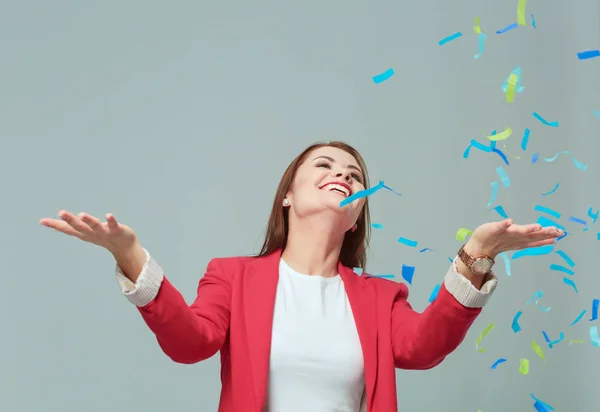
(354, 248)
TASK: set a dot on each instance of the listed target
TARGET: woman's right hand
(112, 235)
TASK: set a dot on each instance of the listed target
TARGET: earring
(354, 227)
(286, 202)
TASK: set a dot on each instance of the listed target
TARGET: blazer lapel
(362, 302)
(260, 286)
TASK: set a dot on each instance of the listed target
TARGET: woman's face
(327, 176)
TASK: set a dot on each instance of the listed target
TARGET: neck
(313, 247)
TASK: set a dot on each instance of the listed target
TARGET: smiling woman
(297, 329)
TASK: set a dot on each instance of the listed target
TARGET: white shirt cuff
(147, 285)
(463, 290)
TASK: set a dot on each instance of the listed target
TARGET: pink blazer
(233, 314)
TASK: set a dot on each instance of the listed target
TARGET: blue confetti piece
(594, 336)
(358, 271)
(533, 21)
(376, 225)
(384, 276)
(506, 263)
(559, 268)
(566, 258)
(588, 54)
(518, 88)
(494, 193)
(547, 210)
(571, 283)
(525, 140)
(533, 251)
(362, 193)
(380, 78)
(498, 362)
(407, 273)
(545, 222)
(541, 404)
(595, 304)
(577, 220)
(502, 155)
(500, 210)
(507, 28)
(407, 242)
(561, 336)
(534, 158)
(515, 322)
(450, 38)
(480, 44)
(503, 176)
(434, 292)
(391, 190)
(577, 163)
(552, 191)
(544, 121)
(578, 318)
(592, 215)
(546, 337)
(426, 249)
(452, 260)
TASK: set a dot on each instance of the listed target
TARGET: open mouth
(337, 188)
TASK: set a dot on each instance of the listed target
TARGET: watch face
(481, 266)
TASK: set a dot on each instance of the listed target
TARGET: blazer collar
(260, 286)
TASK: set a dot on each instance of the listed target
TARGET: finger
(60, 226)
(94, 223)
(544, 242)
(112, 221)
(74, 222)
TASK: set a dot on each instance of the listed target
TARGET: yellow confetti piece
(521, 13)
(575, 341)
(510, 155)
(480, 338)
(524, 366)
(538, 350)
(500, 136)
(511, 87)
(477, 27)
(462, 233)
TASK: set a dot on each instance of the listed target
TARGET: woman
(297, 329)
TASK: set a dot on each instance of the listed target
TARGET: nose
(344, 175)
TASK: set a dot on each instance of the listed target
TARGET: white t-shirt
(316, 359)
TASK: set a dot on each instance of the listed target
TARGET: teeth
(339, 188)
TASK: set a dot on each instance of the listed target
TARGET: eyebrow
(332, 160)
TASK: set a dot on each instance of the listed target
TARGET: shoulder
(230, 263)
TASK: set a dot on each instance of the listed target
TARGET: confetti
(426, 249)
(545, 222)
(595, 303)
(588, 54)
(525, 140)
(577, 220)
(507, 268)
(547, 210)
(593, 215)
(480, 338)
(500, 210)
(538, 350)
(477, 26)
(361, 194)
(510, 155)
(376, 225)
(533, 21)
(544, 121)
(507, 28)
(462, 233)
(594, 336)
(502, 155)
(407, 273)
(384, 276)
(554, 342)
(407, 242)
(521, 13)
(578, 164)
(579, 317)
(501, 136)
(498, 362)
(534, 158)
(571, 283)
(537, 296)
(560, 268)
(380, 78)
(575, 341)
(515, 322)
(494, 193)
(450, 38)
(434, 292)
(480, 44)
(503, 176)
(552, 191)
(516, 72)
(541, 404)
(524, 366)
(510, 89)
(533, 251)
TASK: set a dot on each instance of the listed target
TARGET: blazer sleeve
(186, 333)
(422, 340)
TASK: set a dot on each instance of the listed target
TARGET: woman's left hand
(493, 238)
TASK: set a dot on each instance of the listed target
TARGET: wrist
(476, 249)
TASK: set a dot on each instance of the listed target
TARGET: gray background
(179, 117)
